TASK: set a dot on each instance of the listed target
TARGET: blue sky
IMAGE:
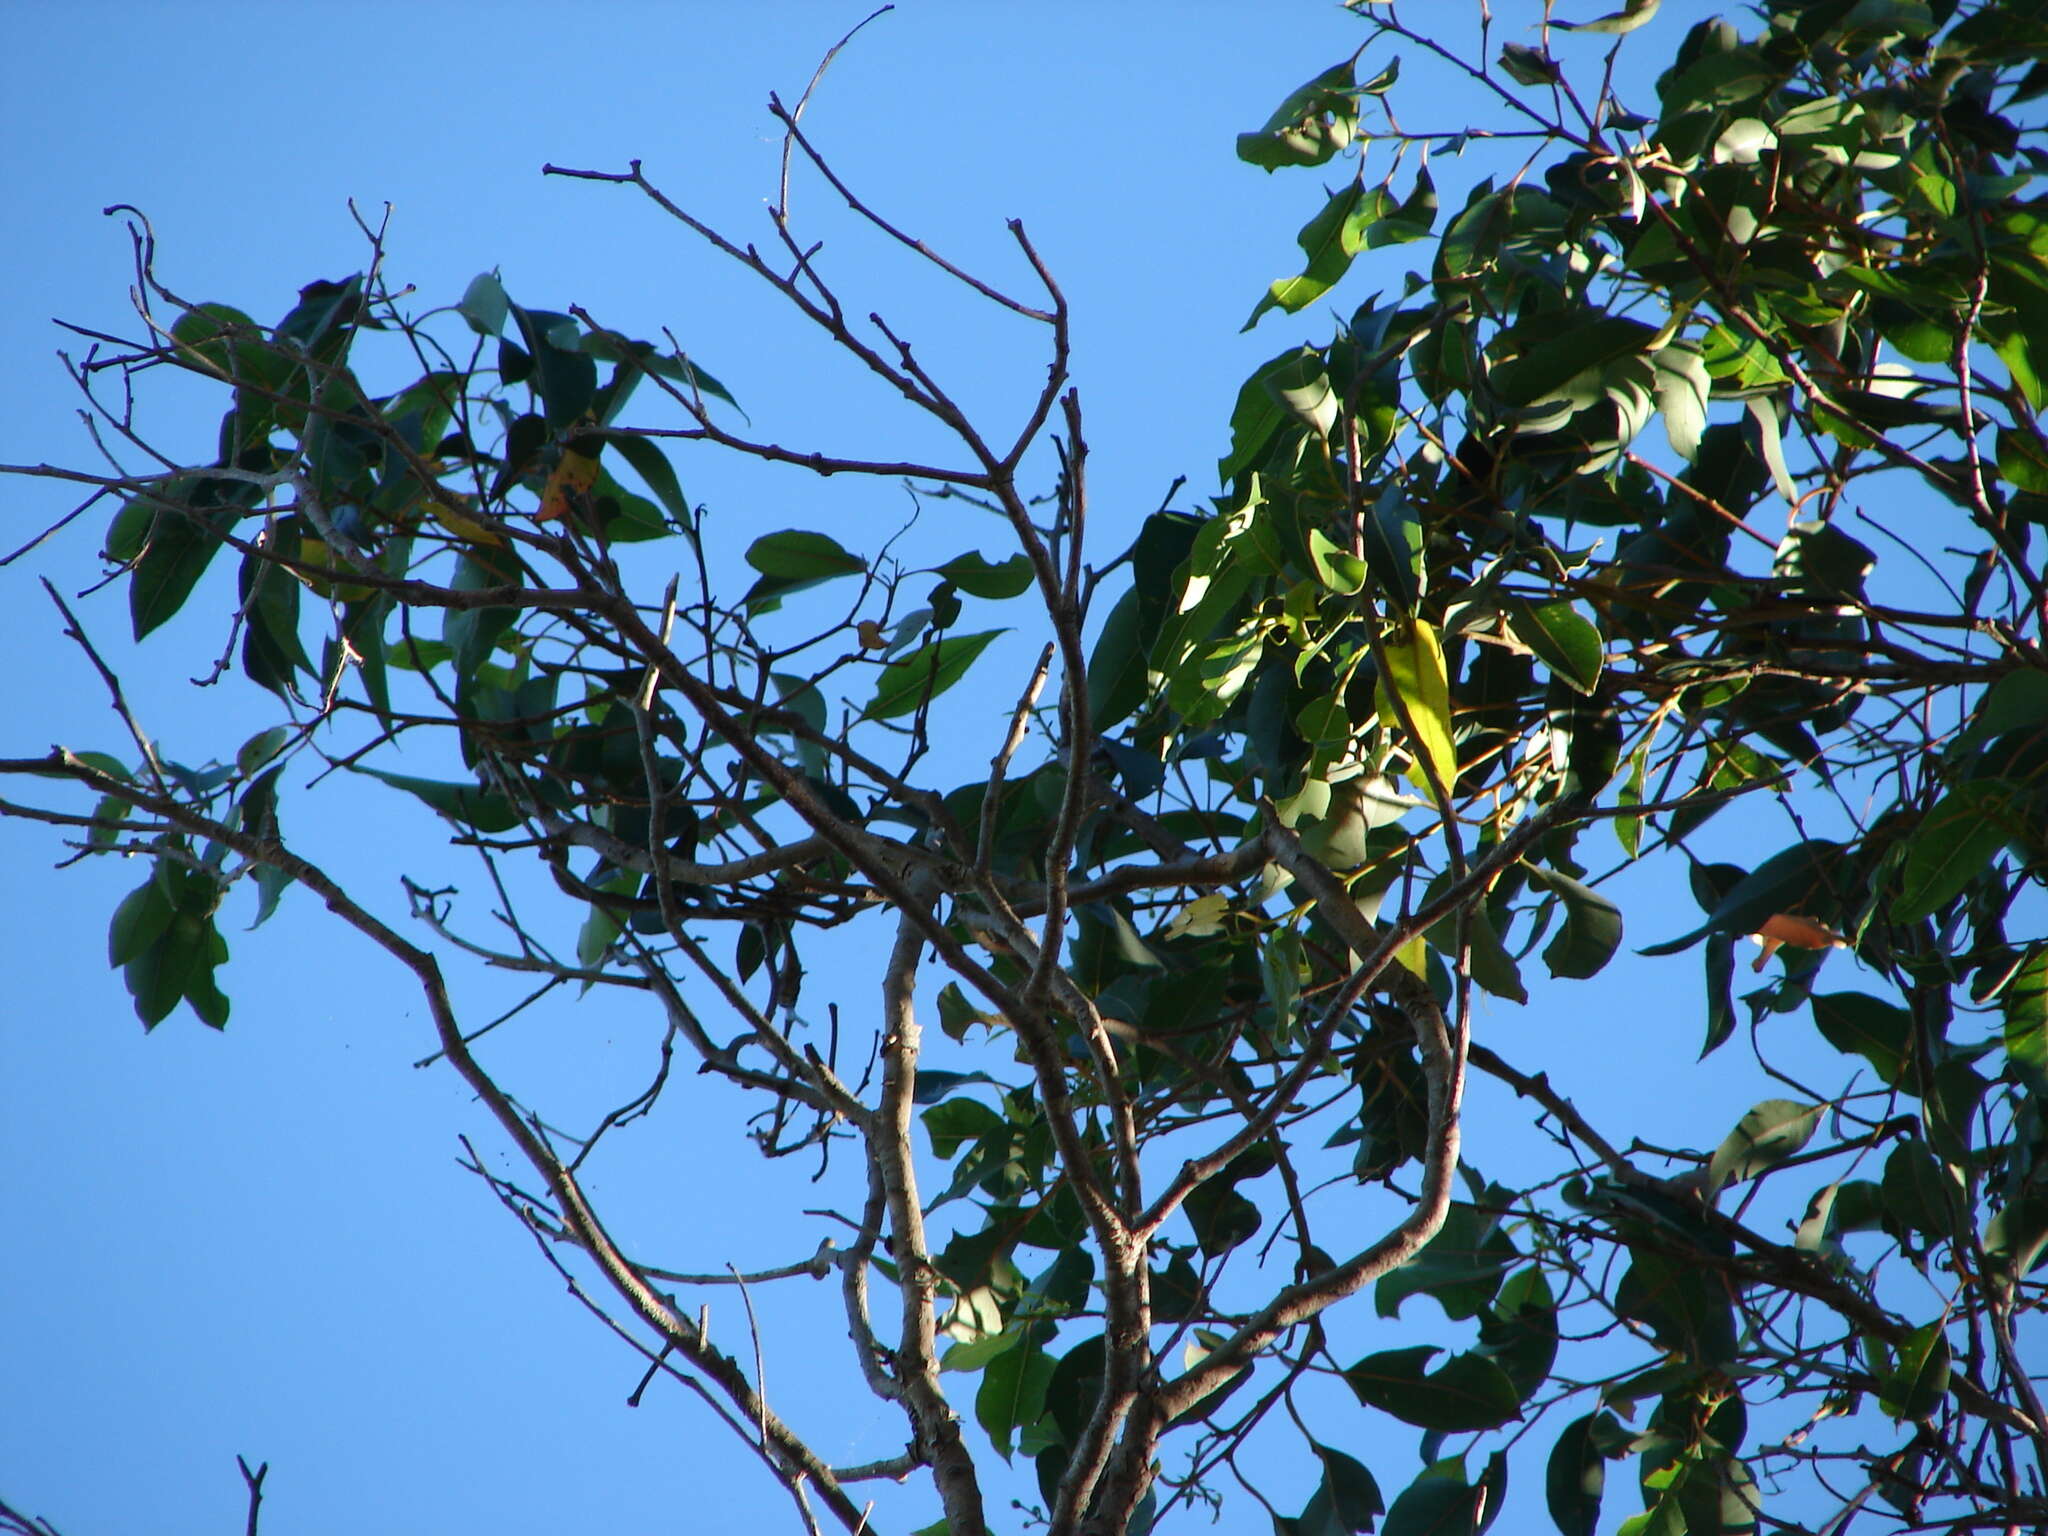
(259, 1242)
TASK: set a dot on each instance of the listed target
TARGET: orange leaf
(1782, 928)
(572, 476)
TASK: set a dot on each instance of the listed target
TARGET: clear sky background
(259, 1242)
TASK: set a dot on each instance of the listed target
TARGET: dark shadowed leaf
(1592, 926)
(486, 810)
(1469, 1392)
(1859, 1024)
(978, 578)
(1953, 845)
(1562, 638)
(1576, 1474)
(1918, 1379)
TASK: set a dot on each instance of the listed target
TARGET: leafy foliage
(1673, 522)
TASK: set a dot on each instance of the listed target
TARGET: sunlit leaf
(1683, 389)
(1632, 15)
(1771, 1132)
(1310, 126)
(2025, 1001)
(1415, 675)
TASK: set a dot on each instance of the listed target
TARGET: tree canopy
(1114, 921)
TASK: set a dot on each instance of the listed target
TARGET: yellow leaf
(573, 475)
(1414, 956)
(448, 512)
(871, 636)
(318, 569)
(1199, 918)
(1415, 673)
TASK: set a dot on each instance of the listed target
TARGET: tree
(1463, 659)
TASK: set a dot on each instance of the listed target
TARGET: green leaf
(1310, 126)
(2023, 459)
(1771, 1132)
(1955, 842)
(1116, 667)
(208, 331)
(1919, 1192)
(1720, 966)
(793, 560)
(1540, 373)
(1254, 420)
(1683, 390)
(160, 975)
(272, 655)
(1518, 1332)
(1632, 15)
(1339, 570)
(138, 922)
(564, 375)
(485, 304)
(1766, 416)
(1725, 78)
(1461, 1267)
(1563, 639)
(1222, 1217)
(1470, 1392)
(1576, 1475)
(625, 517)
(910, 682)
(1685, 1306)
(977, 578)
(1440, 1502)
(261, 748)
(1329, 241)
(183, 539)
(1492, 966)
(1393, 540)
(1302, 387)
(485, 810)
(1856, 1023)
(1664, 1518)
(1529, 66)
(1013, 1386)
(644, 356)
(2017, 701)
(1415, 674)
(652, 466)
(1592, 926)
(1353, 1495)
(932, 1085)
(1914, 1387)
(2016, 1239)
(2026, 1013)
